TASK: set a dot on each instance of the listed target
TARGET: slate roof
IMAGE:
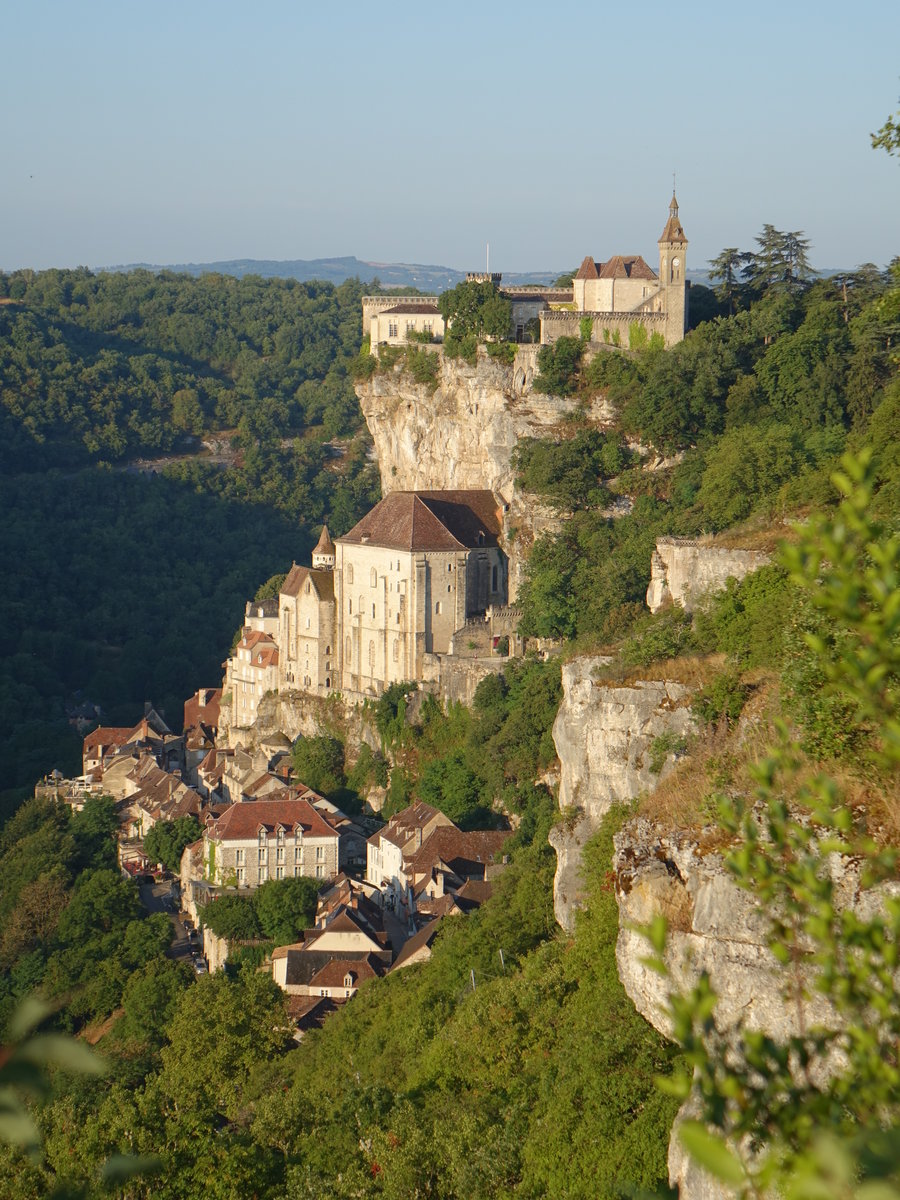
(244, 819)
(422, 521)
(411, 309)
(322, 581)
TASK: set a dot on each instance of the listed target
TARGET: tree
(475, 308)
(888, 136)
(781, 262)
(319, 763)
(818, 1113)
(285, 907)
(727, 268)
(231, 917)
(166, 840)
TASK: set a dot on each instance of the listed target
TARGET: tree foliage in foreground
(817, 1114)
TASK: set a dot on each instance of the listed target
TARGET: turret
(323, 555)
(672, 261)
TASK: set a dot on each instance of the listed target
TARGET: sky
(203, 130)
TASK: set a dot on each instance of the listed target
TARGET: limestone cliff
(603, 734)
(684, 570)
(462, 433)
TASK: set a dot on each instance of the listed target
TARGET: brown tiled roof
(411, 309)
(626, 266)
(322, 581)
(106, 735)
(673, 231)
(324, 545)
(588, 269)
(403, 824)
(334, 973)
(476, 891)
(419, 941)
(244, 819)
(196, 713)
(466, 854)
(421, 521)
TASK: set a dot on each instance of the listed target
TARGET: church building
(375, 602)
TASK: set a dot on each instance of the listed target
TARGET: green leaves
(712, 1153)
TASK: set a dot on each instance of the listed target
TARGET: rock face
(684, 570)
(604, 737)
(462, 434)
(717, 927)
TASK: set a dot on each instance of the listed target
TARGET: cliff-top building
(375, 603)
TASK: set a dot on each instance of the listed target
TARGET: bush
(319, 763)
(422, 365)
(666, 634)
(721, 700)
(558, 366)
(503, 351)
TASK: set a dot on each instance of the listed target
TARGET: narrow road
(162, 897)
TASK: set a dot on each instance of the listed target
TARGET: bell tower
(673, 282)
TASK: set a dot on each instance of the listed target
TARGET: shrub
(503, 351)
(721, 700)
(422, 365)
(666, 634)
(558, 365)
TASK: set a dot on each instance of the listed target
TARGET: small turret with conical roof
(323, 555)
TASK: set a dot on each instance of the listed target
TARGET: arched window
(373, 612)
(327, 649)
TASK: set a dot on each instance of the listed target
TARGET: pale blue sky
(206, 129)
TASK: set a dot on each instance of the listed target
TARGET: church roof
(588, 269)
(322, 581)
(626, 266)
(422, 521)
(324, 545)
(673, 231)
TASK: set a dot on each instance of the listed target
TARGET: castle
(376, 605)
(626, 301)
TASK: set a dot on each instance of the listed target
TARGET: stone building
(375, 604)
(258, 840)
(414, 315)
(624, 294)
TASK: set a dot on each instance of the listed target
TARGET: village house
(348, 940)
(201, 724)
(390, 850)
(408, 319)
(251, 672)
(272, 838)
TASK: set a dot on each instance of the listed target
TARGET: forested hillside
(123, 585)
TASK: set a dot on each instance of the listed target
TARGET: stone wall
(683, 570)
(462, 433)
(606, 326)
(603, 735)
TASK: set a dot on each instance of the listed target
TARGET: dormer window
(262, 834)
(348, 980)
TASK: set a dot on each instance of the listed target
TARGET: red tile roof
(106, 736)
(464, 853)
(244, 820)
(421, 521)
(324, 545)
(206, 713)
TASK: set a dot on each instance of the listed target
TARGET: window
(279, 872)
(298, 853)
(279, 854)
(392, 332)
(350, 607)
(449, 567)
(398, 618)
(320, 872)
(348, 981)
(320, 853)
(239, 875)
(428, 326)
(308, 588)
(449, 587)
(307, 622)
(437, 607)
(349, 572)
(239, 857)
(373, 578)
(297, 872)
(280, 837)
(262, 858)
(410, 327)
(373, 612)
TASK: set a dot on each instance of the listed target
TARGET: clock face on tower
(676, 262)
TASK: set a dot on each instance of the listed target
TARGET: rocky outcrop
(462, 433)
(604, 735)
(683, 570)
(295, 714)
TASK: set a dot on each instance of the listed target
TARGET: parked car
(200, 967)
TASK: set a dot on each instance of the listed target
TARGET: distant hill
(336, 270)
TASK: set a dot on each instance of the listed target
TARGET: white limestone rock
(684, 571)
